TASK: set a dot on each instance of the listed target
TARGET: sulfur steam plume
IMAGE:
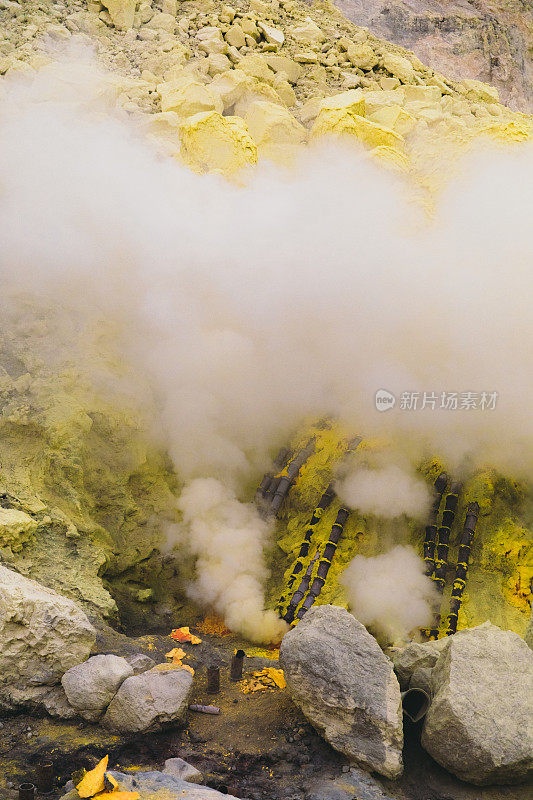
(390, 592)
(386, 492)
(228, 539)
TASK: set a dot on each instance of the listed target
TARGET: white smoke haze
(390, 592)
(385, 492)
(228, 539)
(248, 308)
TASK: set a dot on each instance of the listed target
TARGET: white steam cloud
(387, 492)
(390, 592)
(228, 539)
(249, 308)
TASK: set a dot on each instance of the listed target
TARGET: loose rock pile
(222, 86)
(45, 643)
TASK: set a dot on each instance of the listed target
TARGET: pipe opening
(415, 703)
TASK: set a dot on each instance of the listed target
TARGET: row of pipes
(437, 546)
(295, 602)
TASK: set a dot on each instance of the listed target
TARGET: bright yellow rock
(186, 96)
(16, 528)
(399, 66)
(211, 142)
(341, 122)
(353, 100)
(272, 124)
(256, 67)
(394, 117)
(93, 781)
(514, 130)
(284, 64)
(230, 86)
(256, 91)
(121, 12)
(477, 90)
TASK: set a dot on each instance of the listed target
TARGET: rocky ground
(261, 746)
(94, 692)
(490, 41)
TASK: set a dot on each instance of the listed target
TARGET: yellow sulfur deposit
(211, 142)
(393, 157)
(341, 122)
(93, 781)
(352, 101)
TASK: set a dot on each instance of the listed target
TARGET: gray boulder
(147, 701)
(416, 656)
(178, 768)
(479, 723)
(158, 784)
(42, 635)
(350, 785)
(338, 676)
(91, 686)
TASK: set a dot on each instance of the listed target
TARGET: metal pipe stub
(213, 679)
(415, 703)
(45, 777)
(26, 791)
(236, 666)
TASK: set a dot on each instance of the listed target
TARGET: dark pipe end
(26, 791)
(415, 703)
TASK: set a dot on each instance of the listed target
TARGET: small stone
(399, 66)
(362, 56)
(179, 768)
(235, 36)
(307, 57)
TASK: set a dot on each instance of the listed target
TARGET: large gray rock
(147, 701)
(155, 784)
(91, 686)
(479, 723)
(42, 635)
(416, 656)
(338, 676)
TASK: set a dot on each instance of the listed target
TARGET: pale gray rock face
(140, 663)
(42, 635)
(146, 702)
(416, 656)
(482, 39)
(479, 723)
(152, 783)
(91, 686)
(178, 768)
(338, 676)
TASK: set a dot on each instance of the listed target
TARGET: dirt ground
(259, 746)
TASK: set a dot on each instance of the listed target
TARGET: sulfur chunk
(211, 142)
(353, 100)
(343, 122)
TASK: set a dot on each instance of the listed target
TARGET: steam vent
(266, 429)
